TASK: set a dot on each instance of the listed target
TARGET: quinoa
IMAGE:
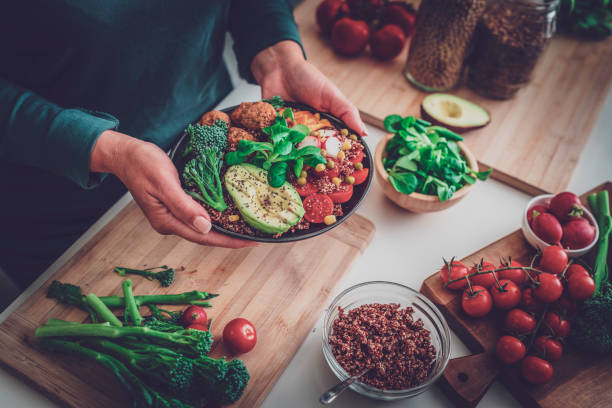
(386, 339)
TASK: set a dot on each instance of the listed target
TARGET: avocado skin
(265, 208)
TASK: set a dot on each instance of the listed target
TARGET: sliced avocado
(457, 114)
(265, 208)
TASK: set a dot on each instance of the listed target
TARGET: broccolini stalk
(600, 205)
(103, 311)
(144, 395)
(191, 343)
(163, 274)
(203, 173)
(131, 309)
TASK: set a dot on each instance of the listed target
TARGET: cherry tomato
(458, 270)
(194, 315)
(566, 305)
(517, 276)
(239, 336)
(580, 287)
(360, 176)
(551, 349)
(305, 190)
(529, 302)
(197, 327)
(487, 280)
(507, 296)
(576, 269)
(549, 288)
(536, 370)
(342, 194)
(510, 350)
(358, 157)
(477, 302)
(519, 321)
(553, 260)
(317, 207)
(555, 325)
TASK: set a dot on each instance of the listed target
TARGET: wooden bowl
(416, 202)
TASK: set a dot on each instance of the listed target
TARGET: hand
(281, 70)
(149, 174)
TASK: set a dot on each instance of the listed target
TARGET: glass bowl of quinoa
(390, 330)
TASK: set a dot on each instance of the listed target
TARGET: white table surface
(406, 249)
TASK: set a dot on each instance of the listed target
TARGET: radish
(332, 146)
(566, 206)
(578, 233)
(534, 211)
(547, 228)
(309, 141)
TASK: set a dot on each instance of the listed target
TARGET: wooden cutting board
(580, 379)
(534, 140)
(281, 288)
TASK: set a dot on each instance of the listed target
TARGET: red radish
(565, 206)
(366, 9)
(399, 15)
(547, 228)
(332, 146)
(534, 211)
(577, 234)
(194, 315)
(197, 327)
(309, 141)
(325, 133)
(350, 36)
(387, 42)
(327, 13)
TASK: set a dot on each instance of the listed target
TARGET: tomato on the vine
(566, 305)
(517, 276)
(580, 287)
(487, 280)
(549, 288)
(555, 325)
(536, 370)
(520, 322)
(576, 269)
(506, 295)
(457, 270)
(510, 350)
(551, 349)
(553, 260)
(529, 302)
(476, 302)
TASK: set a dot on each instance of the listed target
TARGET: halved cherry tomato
(536, 370)
(510, 350)
(317, 207)
(457, 270)
(331, 173)
(360, 176)
(342, 194)
(305, 190)
(358, 158)
(507, 296)
(476, 302)
(487, 280)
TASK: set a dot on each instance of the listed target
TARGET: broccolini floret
(592, 324)
(202, 138)
(163, 274)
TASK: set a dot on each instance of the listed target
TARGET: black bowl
(359, 192)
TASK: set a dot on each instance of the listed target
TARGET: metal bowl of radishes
(560, 219)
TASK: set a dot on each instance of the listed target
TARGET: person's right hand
(149, 174)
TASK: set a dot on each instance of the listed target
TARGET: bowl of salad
(273, 171)
(424, 168)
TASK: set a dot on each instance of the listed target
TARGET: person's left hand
(281, 70)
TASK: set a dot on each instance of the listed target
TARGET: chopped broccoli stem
(165, 275)
(131, 309)
(103, 311)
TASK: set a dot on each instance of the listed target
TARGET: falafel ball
(235, 135)
(254, 115)
(211, 117)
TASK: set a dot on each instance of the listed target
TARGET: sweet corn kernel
(301, 181)
(346, 145)
(358, 166)
(344, 132)
(353, 137)
(323, 152)
(336, 181)
(331, 164)
(303, 174)
(329, 219)
(341, 155)
(349, 180)
(233, 217)
(320, 167)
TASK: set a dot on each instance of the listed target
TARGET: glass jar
(440, 44)
(509, 39)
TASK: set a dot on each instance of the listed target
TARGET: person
(93, 93)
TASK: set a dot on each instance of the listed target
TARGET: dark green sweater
(73, 68)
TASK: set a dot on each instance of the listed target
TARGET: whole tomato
(487, 280)
(519, 321)
(327, 13)
(517, 276)
(194, 315)
(555, 325)
(580, 287)
(476, 302)
(387, 42)
(576, 269)
(457, 270)
(398, 14)
(529, 302)
(510, 350)
(549, 288)
(350, 36)
(565, 305)
(553, 260)
(506, 295)
(536, 370)
(239, 336)
(195, 326)
(551, 349)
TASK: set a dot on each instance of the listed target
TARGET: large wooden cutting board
(534, 140)
(281, 288)
(580, 379)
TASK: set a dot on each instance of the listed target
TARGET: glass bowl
(389, 292)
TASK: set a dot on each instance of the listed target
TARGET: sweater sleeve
(256, 25)
(39, 133)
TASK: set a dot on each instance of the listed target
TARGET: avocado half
(453, 112)
(265, 208)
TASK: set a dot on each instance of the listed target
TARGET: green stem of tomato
(524, 268)
(535, 331)
(562, 274)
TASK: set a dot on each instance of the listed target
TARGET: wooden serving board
(580, 379)
(534, 140)
(281, 288)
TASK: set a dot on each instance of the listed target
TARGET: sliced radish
(309, 141)
(332, 146)
(325, 133)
